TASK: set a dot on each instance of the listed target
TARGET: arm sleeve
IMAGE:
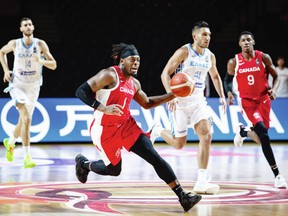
(228, 82)
(85, 94)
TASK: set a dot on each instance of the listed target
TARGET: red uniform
(251, 86)
(110, 132)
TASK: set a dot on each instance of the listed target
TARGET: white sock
(26, 150)
(202, 175)
(12, 140)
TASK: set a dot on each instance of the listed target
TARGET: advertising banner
(68, 119)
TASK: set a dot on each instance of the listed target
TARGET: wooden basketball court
(51, 188)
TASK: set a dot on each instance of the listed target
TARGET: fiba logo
(40, 121)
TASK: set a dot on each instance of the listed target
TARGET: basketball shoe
(187, 200)
(28, 162)
(81, 173)
(204, 187)
(280, 182)
(238, 139)
(9, 150)
(155, 131)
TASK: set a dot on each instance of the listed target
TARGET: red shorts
(110, 140)
(257, 110)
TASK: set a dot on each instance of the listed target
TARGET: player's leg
(177, 136)
(262, 132)
(17, 95)
(144, 148)
(26, 118)
(84, 166)
(9, 143)
(202, 185)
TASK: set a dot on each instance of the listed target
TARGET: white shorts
(25, 95)
(186, 117)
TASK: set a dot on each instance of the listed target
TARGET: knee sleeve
(100, 168)
(114, 170)
(261, 131)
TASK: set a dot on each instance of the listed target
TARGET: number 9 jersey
(250, 79)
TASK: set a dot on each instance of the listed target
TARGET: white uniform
(27, 74)
(191, 109)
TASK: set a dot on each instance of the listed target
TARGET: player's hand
(230, 98)
(171, 105)
(36, 57)
(7, 76)
(224, 105)
(271, 94)
(113, 109)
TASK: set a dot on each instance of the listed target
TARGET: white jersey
(26, 71)
(196, 66)
(282, 90)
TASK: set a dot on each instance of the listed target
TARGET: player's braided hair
(117, 49)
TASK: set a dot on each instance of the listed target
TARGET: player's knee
(179, 143)
(114, 170)
(205, 138)
(261, 131)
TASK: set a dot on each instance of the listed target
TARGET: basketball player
(197, 61)
(24, 83)
(247, 78)
(110, 92)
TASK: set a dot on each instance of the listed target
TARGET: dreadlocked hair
(117, 49)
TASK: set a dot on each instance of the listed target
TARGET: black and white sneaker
(238, 139)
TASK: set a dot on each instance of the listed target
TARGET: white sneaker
(155, 131)
(280, 182)
(206, 188)
(238, 140)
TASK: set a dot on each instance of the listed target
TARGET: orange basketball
(182, 85)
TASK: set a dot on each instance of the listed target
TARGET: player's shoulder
(13, 41)
(231, 61)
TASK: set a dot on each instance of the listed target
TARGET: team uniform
(250, 84)
(110, 132)
(191, 109)
(27, 74)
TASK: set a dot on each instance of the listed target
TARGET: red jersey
(121, 94)
(250, 79)
(110, 133)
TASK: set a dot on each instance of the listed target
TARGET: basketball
(182, 85)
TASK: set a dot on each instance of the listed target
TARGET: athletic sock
(275, 170)
(26, 150)
(12, 140)
(178, 190)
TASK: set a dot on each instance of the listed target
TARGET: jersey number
(27, 64)
(250, 79)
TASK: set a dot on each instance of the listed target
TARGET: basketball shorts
(257, 110)
(186, 117)
(25, 95)
(109, 140)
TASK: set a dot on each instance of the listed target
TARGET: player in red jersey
(247, 78)
(110, 92)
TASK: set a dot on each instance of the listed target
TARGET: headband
(129, 52)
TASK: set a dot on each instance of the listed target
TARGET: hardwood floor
(51, 188)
